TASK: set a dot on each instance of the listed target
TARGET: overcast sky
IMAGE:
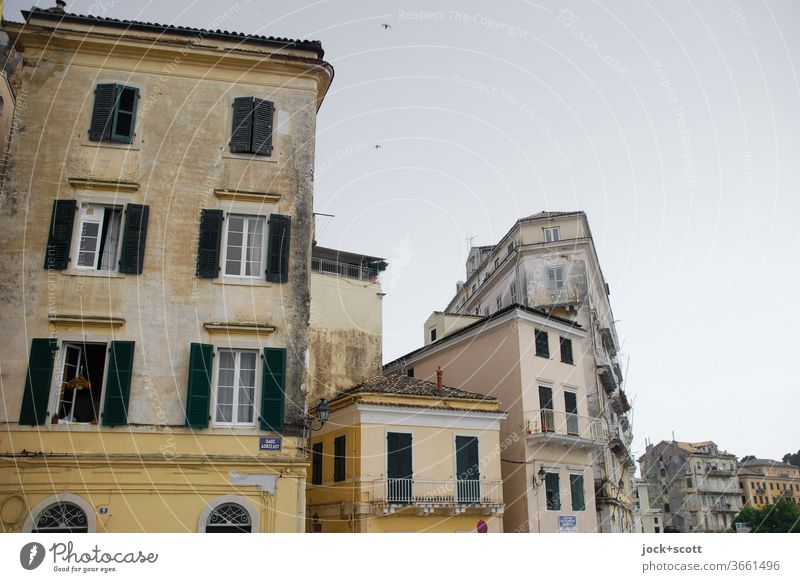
(674, 125)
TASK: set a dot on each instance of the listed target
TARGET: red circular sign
(483, 527)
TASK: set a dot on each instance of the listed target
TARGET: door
(468, 484)
(571, 406)
(398, 467)
(546, 406)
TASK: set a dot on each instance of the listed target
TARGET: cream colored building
(694, 484)
(548, 262)
(404, 455)
(649, 518)
(155, 245)
(763, 482)
(533, 363)
(346, 321)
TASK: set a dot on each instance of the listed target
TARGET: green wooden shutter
(339, 458)
(208, 244)
(278, 252)
(552, 492)
(273, 389)
(263, 112)
(198, 395)
(37, 382)
(125, 114)
(576, 489)
(566, 350)
(118, 384)
(59, 238)
(105, 97)
(542, 344)
(131, 255)
(316, 463)
(242, 130)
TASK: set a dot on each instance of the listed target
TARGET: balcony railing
(349, 270)
(554, 297)
(431, 494)
(565, 428)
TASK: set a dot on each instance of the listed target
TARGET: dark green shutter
(124, 114)
(118, 384)
(131, 256)
(576, 489)
(198, 396)
(263, 112)
(105, 97)
(242, 130)
(552, 492)
(208, 243)
(59, 238)
(566, 350)
(278, 252)
(37, 382)
(542, 344)
(273, 389)
(339, 458)
(316, 463)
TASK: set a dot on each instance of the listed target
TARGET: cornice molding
(101, 321)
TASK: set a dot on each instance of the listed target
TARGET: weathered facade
(155, 245)
(404, 455)
(649, 518)
(549, 437)
(548, 261)
(694, 484)
(346, 321)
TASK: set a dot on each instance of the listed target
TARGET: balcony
(561, 428)
(543, 298)
(429, 495)
(619, 402)
(340, 269)
(718, 471)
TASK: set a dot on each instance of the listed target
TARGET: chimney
(439, 379)
(59, 7)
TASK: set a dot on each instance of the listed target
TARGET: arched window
(229, 518)
(61, 517)
(662, 472)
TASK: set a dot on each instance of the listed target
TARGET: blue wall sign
(269, 444)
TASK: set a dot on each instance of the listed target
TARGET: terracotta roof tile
(401, 384)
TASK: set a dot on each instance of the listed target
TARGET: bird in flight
(377, 146)
(386, 26)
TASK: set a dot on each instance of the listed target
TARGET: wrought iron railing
(349, 270)
(546, 421)
(438, 492)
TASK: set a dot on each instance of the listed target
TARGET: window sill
(227, 153)
(92, 273)
(241, 282)
(113, 145)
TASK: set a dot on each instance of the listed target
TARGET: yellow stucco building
(763, 482)
(155, 246)
(404, 455)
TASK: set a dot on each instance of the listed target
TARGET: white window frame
(552, 234)
(255, 520)
(58, 376)
(559, 269)
(235, 403)
(486, 311)
(77, 235)
(513, 291)
(499, 302)
(260, 271)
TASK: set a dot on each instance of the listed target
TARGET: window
(555, 278)
(576, 490)
(666, 508)
(316, 464)
(655, 520)
(566, 350)
(236, 387)
(499, 302)
(81, 383)
(399, 467)
(61, 517)
(229, 518)
(251, 131)
(410, 372)
(98, 237)
(542, 345)
(662, 472)
(486, 311)
(571, 410)
(473, 288)
(689, 482)
(497, 264)
(114, 113)
(339, 456)
(513, 292)
(552, 234)
(658, 529)
(510, 248)
(104, 243)
(243, 245)
(551, 493)
(433, 334)
(771, 485)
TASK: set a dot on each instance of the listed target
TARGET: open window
(99, 237)
(81, 383)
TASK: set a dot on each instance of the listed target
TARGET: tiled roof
(67, 17)
(551, 214)
(401, 384)
(770, 462)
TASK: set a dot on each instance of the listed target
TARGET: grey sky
(674, 125)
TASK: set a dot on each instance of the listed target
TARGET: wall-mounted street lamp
(321, 413)
(538, 479)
